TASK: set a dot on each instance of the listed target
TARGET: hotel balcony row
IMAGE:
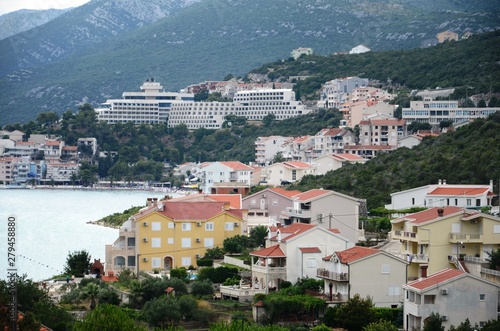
(454, 238)
(330, 275)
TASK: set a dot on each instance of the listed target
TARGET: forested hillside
(469, 155)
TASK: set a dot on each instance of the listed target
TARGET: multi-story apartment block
(345, 275)
(151, 105)
(440, 237)
(290, 171)
(88, 147)
(455, 295)
(61, 172)
(336, 92)
(329, 141)
(293, 252)
(327, 209)
(224, 172)
(52, 149)
(23, 149)
(265, 207)
(436, 111)
(252, 104)
(383, 132)
(355, 112)
(330, 162)
(443, 194)
(299, 149)
(266, 148)
(175, 234)
(7, 166)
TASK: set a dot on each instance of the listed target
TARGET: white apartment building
(224, 172)
(382, 132)
(435, 111)
(299, 149)
(150, 105)
(333, 140)
(253, 104)
(336, 92)
(267, 147)
(61, 172)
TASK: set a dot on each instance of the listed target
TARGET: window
(186, 261)
(455, 228)
(208, 242)
(171, 225)
(429, 299)
(186, 226)
(482, 297)
(170, 241)
(393, 290)
(156, 262)
(156, 242)
(311, 262)
(229, 226)
(156, 226)
(496, 228)
(209, 226)
(186, 243)
(386, 268)
(469, 202)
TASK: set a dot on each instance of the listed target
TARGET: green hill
(469, 155)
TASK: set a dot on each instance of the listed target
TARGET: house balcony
(126, 232)
(300, 213)
(269, 269)
(330, 275)
(476, 238)
(410, 236)
(411, 257)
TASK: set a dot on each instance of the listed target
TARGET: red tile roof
(311, 194)
(355, 253)
(297, 164)
(284, 192)
(429, 214)
(292, 230)
(349, 156)
(273, 251)
(334, 230)
(459, 191)
(436, 278)
(236, 165)
(180, 210)
(52, 143)
(310, 249)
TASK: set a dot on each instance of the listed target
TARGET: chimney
(149, 202)
(155, 202)
(440, 212)
(444, 181)
(439, 181)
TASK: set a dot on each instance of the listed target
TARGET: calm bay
(53, 223)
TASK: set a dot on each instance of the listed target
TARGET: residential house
(328, 209)
(289, 171)
(382, 132)
(7, 166)
(266, 148)
(366, 110)
(185, 169)
(333, 140)
(443, 194)
(225, 172)
(5, 146)
(441, 237)
(415, 139)
(298, 52)
(61, 172)
(172, 234)
(455, 295)
(299, 149)
(293, 252)
(345, 274)
(359, 49)
(23, 149)
(87, 147)
(329, 162)
(265, 207)
(446, 36)
(337, 91)
(52, 149)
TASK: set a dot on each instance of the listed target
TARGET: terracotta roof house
(444, 237)
(330, 162)
(293, 252)
(345, 274)
(454, 295)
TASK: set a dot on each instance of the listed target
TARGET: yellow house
(442, 237)
(173, 234)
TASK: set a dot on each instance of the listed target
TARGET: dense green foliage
(117, 219)
(451, 64)
(493, 259)
(218, 275)
(235, 37)
(77, 263)
(468, 155)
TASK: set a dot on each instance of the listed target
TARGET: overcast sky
(7, 6)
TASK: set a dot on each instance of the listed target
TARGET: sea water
(51, 223)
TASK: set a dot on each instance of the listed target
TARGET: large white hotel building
(252, 104)
(436, 111)
(151, 105)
